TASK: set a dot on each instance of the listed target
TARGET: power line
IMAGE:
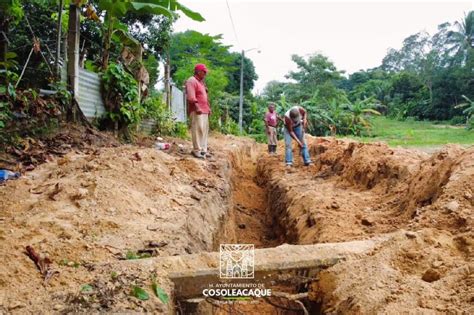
(232, 22)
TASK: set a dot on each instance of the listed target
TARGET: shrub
(121, 95)
(154, 108)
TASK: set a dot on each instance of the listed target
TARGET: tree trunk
(107, 43)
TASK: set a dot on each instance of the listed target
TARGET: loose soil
(357, 191)
(90, 208)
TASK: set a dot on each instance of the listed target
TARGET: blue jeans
(288, 150)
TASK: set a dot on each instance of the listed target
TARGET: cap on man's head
(200, 67)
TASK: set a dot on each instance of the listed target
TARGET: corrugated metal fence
(91, 103)
(90, 97)
(178, 104)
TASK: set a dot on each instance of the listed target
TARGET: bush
(121, 95)
(154, 108)
(230, 127)
(458, 120)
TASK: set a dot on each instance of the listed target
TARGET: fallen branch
(292, 297)
(43, 264)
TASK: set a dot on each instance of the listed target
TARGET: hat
(200, 67)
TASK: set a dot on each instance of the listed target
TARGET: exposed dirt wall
(87, 209)
(356, 191)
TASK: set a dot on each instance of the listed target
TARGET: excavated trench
(355, 194)
(252, 219)
(82, 211)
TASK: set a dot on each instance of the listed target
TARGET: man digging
(296, 122)
(199, 111)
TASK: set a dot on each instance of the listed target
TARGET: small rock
(148, 168)
(468, 195)
(334, 205)
(188, 250)
(57, 307)
(157, 244)
(16, 305)
(431, 275)
(195, 197)
(81, 193)
(437, 264)
(153, 211)
(451, 206)
(411, 254)
(367, 221)
(410, 234)
(242, 226)
(154, 227)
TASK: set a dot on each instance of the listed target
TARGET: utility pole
(241, 100)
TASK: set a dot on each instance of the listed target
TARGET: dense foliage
(430, 77)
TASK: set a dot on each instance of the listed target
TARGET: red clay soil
(91, 208)
(356, 191)
(94, 207)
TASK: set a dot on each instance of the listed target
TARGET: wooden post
(73, 49)
(58, 39)
(73, 53)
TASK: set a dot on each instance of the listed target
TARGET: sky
(353, 34)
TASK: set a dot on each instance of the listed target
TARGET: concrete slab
(193, 273)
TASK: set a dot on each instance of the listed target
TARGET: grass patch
(416, 133)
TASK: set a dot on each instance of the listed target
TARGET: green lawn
(416, 133)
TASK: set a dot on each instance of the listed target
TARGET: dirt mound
(89, 209)
(357, 190)
(413, 272)
(104, 205)
(366, 166)
(364, 189)
(33, 151)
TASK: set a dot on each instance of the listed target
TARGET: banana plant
(468, 111)
(116, 9)
(358, 112)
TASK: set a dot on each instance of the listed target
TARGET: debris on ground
(42, 263)
(7, 175)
